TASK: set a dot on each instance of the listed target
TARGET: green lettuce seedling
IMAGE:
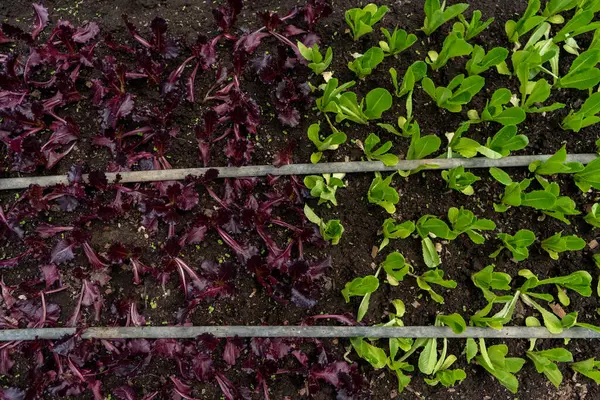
(557, 164)
(459, 91)
(372, 354)
(364, 65)
(528, 63)
(583, 73)
(427, 227)
(331, 142)
(585, 116)
(545, 360)
(528, 21)
(328, 102)
(439, 367)
(579, 281)
(361, 20)
(437, 14)
(391, 230)
(430, 362)
(396, 268)
(459, 180)
(363, 287)
(579, 24)
(413, 74)
(324, 187)
(331, 230)
(464, 221)
(495, 109)
(397, 41)
(547, 200)
(481, 62)
(589, 177)
(380, 154)
(494, 361)
(377, 357)
(589, 368)
(540, 92)
(381, 193)
(563, 205)
(435, 277)
(375, 103)
(554, 7)
(506, 140)
(475, 26)
(488, 280)
(500, 145)
(518, 244)
(557, 244)
(593, 217)
(454, 46)
(318, 63)
(408, 128)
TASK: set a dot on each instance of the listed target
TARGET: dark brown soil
(420, 194)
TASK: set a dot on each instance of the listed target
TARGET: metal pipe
(295, 169)
(186, 332)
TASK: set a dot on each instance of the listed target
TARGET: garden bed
(237, 290)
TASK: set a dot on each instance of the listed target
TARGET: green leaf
(415, 73)
(428, 357)
(397, 41)
(429, 225)
(538, 199)
(361, 21)
(436, 15)
(449, 378)
(381, 193)
(471, 349)
(502, 367)
(311, 216)
(588, 368)
(421, 147)
(481, 62)
(507, 140)
(430, 255)
(582, 74)
(378, 101)
(589, 177)
(454, 46)
(360, 287)
(500, 176)
(372, 354)
(380, 153)
(366, 63)
(454, 321)
(395, 265)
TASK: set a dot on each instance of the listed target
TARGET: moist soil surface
(422, 193)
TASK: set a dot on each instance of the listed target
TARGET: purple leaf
(125, 393)
(202, 365)
(284, 156)
(225, 17)
(139, 346)
(231, 352)
(85, 34)
(169, 348)
(12, 394)
(41, 19)
(50, 273)
(62, 252)
(6, 363)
